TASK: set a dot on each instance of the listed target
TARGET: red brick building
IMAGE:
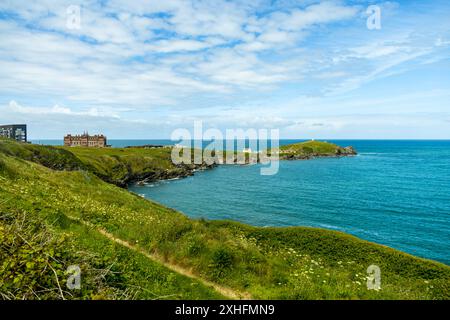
(85, 140)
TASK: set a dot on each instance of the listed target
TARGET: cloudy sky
(140, 69)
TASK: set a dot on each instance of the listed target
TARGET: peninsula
(62, 207)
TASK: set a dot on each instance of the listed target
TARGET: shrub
(222, 261)
(195, 246)
(31, 260)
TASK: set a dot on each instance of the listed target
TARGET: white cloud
(58, 110)
(181, 55)
(113, 68)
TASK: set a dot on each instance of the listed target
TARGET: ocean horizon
(121, 143)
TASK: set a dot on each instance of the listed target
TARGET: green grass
(316, 146)
(311, 148)
(51, 157)
(39, 238)
(32, 247)
(268, 263)
(121, 165)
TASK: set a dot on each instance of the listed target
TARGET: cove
(395, 193)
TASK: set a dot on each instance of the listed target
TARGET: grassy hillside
(119, 166)
(48, 156)
(72, 208)
(124, 165)
(37, 247)
(314, 149)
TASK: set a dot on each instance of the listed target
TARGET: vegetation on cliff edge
(312, 148)
(266, 263)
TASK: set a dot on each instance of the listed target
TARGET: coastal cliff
(125, 166)
(314, 149)
(132, 248)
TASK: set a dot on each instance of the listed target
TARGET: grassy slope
(288, 263)
(48, 156)
(310, 148)
(36, 237)
(117, 165)
(114, 165)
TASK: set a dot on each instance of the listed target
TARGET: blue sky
(144, 68)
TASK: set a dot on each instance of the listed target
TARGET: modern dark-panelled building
(14, 131)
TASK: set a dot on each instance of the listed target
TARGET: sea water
(395, 193)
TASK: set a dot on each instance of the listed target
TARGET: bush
(222, 261)
(34, 261)
(195, 246)
(31, 260)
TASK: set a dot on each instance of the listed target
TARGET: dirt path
(227, 292)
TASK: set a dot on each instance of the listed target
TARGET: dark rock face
(298, 156)
(340, 152)
(180, 171)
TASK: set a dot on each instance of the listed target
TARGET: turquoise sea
(395, 193)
